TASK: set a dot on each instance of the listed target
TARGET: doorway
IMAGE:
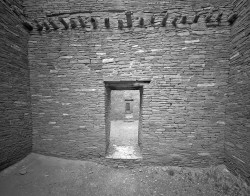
(123, 120)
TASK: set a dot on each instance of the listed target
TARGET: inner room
(124, 121)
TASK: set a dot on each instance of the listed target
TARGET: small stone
(23, 171)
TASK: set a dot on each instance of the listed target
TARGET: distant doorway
(123, 120)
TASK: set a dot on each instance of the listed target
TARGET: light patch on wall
(139, 51)
(52, 123)
(238, 159)
(108, 60)
(100, 53)
(192, 41)
(221, 122)
(237, 54)
(206, 85)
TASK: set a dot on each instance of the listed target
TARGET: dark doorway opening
(123, 119)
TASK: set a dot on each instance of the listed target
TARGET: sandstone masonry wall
(183, 107)
(15, 116)
(237, 135)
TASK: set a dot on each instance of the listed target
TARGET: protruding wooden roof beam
(53, 24)
(73, 23)
(164, 20)
(152, 19)
(129, 19)
(27, 25)
(65, 24)
(82, 22)
(208, 18)
(47, 27)
(196, 18)
(231, 19)
(141, 22)
(174, 21)
(183, 20)
(218, 17)
(120, 24)
(38, 25)
(94, 23)
(107, 23)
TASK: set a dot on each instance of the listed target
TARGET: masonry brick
(15, 111)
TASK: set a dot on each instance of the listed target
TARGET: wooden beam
(129, 19)
(231, 19)
(196, 18)
(120, 24)
(174, 21)
(65, 24)
(141, 22)
(73, 23)
(38, 25)
(94, 23)
(208, 18)
(53, 24)
(107, 23)
(47, 27)
(82, 22)
(152, 19)
(164, 20)
(27, 25)
(218, 17)
(183, 20)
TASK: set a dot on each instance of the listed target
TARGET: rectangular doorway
(123, 121)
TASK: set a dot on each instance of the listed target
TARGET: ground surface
(124, 140)
(39, 175)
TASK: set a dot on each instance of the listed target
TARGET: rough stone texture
(183, 107)
(237, 135)
(15, 116)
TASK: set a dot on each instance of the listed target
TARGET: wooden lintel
(164, 20)
(106, 22)
(73, 23)
(65, 24)
(82, 22)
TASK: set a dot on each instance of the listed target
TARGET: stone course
(237, 138)
(15, 115)
(187, 67)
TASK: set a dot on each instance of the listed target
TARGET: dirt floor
(124, 140)
(38, 175)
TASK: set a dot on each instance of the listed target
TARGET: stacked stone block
(183, 106)
(237, 139)
(15, 115)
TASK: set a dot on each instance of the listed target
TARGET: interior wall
(15, 116)
(237, 136)
(183, 109)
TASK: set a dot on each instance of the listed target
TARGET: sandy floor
(39, 175)
(124, 140)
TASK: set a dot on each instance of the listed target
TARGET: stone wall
(15, 116)
(237, 136)
(183, 107)
(118, 104)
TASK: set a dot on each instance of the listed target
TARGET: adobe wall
(183, 108)
(15, 116)
(237, 135)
